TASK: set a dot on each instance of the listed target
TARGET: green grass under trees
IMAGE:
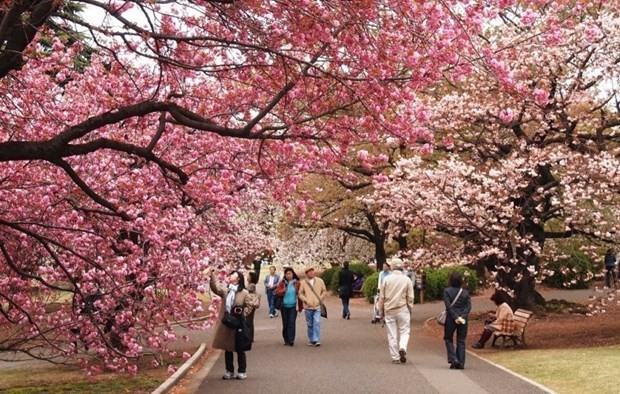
(567, 371)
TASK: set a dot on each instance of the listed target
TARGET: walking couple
(297, 295)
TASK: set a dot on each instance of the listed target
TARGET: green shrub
(327, 276)
(437, 281)
(361, 269)
(575, 271)
(369, 288)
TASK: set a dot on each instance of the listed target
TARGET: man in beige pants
(396, 303)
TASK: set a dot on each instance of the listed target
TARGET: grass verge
(566, 371)
(54, 379)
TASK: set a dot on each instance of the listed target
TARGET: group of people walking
(288, 293)
(291, 295)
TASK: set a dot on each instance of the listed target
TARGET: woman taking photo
(236, 301)
(288, 289)
(458, 306)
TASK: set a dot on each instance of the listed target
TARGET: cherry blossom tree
(334, 197)
(526, 146)
(131, 131)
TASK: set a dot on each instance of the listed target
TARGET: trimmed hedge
(369, 288)
(327, 276)
(574, 272)
(437, 280)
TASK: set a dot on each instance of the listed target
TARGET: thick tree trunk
(526, 296)
(380, 254)
(402, 242)
(532, 227)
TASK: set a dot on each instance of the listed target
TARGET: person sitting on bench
(502, 320)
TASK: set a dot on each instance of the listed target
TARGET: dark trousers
(289, 316)
(271, 300)
(230, 366)
(609, 276)
(461, 335)
(250, 320)
(345, 306)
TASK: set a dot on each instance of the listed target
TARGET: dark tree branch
(86, 189)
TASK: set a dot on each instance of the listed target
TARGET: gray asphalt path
(354, 358)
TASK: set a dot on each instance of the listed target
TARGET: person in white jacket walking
(395, 305)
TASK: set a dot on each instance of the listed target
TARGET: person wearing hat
(395, 305)
(288, 289)
(311, 293)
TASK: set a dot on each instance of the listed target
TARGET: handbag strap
(457, 297)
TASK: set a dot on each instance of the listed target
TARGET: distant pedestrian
(345, 288)
(502, 320)
(288, 289)
(610, 267)
(458, 306)
(410, 273)
(312, 292)
(395, 304)
(383, 274)
(271, 283)
(235, 301)
(256, 264)
(254, 300)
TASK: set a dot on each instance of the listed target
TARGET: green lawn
(582, 370)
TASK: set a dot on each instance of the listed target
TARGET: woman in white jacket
(502, 320)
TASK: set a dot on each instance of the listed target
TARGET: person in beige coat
(502, 320)
(312, 291)
(395, 304)
(235, 300)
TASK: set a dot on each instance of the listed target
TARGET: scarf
(230, 298)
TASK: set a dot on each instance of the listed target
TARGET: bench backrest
(521, 317)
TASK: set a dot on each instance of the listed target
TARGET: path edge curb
(513, 373)
(181, 372)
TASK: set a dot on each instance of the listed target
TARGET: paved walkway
(354, 358)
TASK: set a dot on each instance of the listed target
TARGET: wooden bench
(521, 317)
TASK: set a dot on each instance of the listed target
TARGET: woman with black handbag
(236, 306)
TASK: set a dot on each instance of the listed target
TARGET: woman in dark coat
(345, 288)
(456, 319)
(235, 298)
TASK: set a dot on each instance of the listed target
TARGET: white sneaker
(227, 376)
(271, 316)
(241, 376)
(276, 315)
